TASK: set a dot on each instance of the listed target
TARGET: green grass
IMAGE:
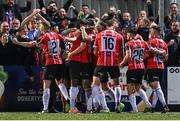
(100, 116)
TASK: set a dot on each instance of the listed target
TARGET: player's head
(131, 33)
(110, 23)
(90, 25)
(44, 27)
(54, 27)
(101, 26)
(155, 30)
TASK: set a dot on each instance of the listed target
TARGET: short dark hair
(132, 31)
(91, 22)
(174, 4)
(110, 23)
(51, 2)
(156, 28)
(85, 5)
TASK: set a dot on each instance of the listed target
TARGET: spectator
(51, 11)
(15, 26)
(143, 28)
(172, 16)
(85, 12)
(11, 10)
(150, 12)
(126, 20)
(173, 41)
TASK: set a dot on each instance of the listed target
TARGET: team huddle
(87, 57)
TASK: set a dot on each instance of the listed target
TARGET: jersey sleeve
(96, 41)
(43, 39)
(127, 47)
(60, 37)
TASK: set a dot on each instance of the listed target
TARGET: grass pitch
(100, 116)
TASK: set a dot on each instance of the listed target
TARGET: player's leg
(154, 82)
(138, 84)
(105, 87)
(131, 90)
(46, 88)
(114, 74)
(74, 72)
(66, 81)
(52, 99)
(59, 81)
(86, 85)
(96, 86)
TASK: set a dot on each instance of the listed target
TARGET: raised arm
(25, 44)
(44, 20)
(85, 37)
(28, 18)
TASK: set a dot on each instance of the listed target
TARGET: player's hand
(36, 11)
(93, 11)
(15, 41)
(118, 12)
(82, 28)
(121, 65)
(72, 7)
(43, 10)
(69, 55)
(171, 42)
(64, 55)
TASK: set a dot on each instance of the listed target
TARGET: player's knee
(67, 83)
(96, 81)
(130, 89)
(74, 82)
(116, 81)
(86, 84)
(137, 87)
(104, 86)
(155, 85)
(46, 84)
(59, 81)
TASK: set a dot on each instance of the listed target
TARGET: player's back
(109, 44)
(51, 46)
(156, 60)
(137, 49)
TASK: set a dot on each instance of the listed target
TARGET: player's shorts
(104, 78)
(102, 72)
(91, 70)
(74, 70)
(154, 75)
(66, 75)
(135, 76)
(85, 71)
(53, 72)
